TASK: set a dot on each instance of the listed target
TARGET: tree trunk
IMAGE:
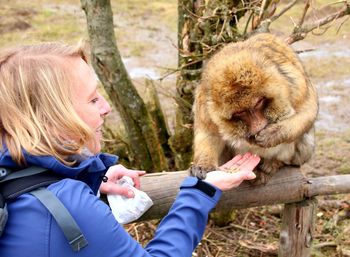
(159, 120)
(146, 151)
(190, 69)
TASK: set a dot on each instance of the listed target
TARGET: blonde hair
(36, 110)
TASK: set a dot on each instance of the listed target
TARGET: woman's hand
(244, 166)
(115, 173)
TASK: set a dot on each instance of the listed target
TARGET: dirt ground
(146, 35)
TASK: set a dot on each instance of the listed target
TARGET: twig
(301, 32)
(285, 9)
(324, 244)
(306, 8)
(265, 24)
(263, 8)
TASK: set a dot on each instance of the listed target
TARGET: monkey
(254, 96)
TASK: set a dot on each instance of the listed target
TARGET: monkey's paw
(270, 166)
(261, 178)
(199, 171)
(270, 136)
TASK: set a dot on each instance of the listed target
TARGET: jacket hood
(89, 169)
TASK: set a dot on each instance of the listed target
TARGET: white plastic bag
(126, 210)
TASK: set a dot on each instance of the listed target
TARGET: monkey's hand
(200, 171)
(270, 136)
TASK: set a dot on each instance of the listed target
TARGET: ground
(146, 36)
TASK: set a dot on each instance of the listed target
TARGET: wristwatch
(199, 184)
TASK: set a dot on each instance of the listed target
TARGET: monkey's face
(243, 98)
(241, 119)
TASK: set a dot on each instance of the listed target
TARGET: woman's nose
(105, 107)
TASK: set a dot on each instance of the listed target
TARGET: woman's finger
(114, 189)
(136, 181)
(244, 158)
(231, 162)
(250, 163)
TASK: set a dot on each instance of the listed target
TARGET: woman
(52, 117)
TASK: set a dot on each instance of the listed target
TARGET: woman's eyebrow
(92, 94)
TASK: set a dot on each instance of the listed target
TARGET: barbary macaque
(255, 97)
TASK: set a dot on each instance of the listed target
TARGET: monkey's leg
(207, 150)
(304, 148)
(270, 166)
(265, 170)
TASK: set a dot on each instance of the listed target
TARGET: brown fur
(262, 69)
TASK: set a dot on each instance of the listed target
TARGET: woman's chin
(94, 148)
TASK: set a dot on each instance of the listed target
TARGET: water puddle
(333, 100)
(143, 73)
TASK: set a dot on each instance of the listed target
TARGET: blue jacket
(31, 230)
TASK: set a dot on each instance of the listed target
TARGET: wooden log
(328, 185)
(286, 186)
(297, 232)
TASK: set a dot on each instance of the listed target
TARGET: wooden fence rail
(288, 187)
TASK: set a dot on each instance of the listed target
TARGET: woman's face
(90, 105)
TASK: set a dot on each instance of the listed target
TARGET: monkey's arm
(208, 145)
(207, 150)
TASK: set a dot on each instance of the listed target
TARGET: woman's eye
(95, 100)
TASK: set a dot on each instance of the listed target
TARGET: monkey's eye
(260, 104)
(238, 115)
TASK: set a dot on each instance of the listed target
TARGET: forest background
(146, 34)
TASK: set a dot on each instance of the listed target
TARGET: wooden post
(298, 223)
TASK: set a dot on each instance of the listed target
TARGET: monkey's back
(250, 64)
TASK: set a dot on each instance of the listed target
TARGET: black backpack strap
(33, 180)
(10, 189)
(63, 218)
(7, 174)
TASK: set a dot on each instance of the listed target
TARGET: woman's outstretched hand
(243, 166)
(115, 173)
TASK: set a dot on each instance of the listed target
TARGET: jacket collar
(88, 169)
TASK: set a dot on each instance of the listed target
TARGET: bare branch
(263, 8)
(300, 33)
(306, 8)
(265, 24)
(285, 9)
